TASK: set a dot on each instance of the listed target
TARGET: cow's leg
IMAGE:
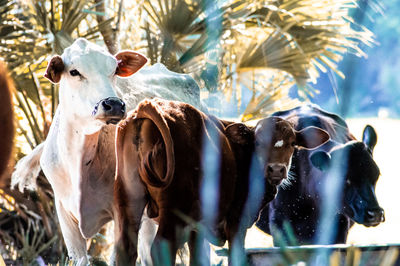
(344, 225)
(237, 254)
(129, 211)
(199, 249)
(147, 233)
(27, 169)
(76, 244)
(165, 244)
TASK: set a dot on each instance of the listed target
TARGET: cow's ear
(54, 69)
(129, 62)
(239, 133)
(311, 137)
(370, 137)
(321, 160)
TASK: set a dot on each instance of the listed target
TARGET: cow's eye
(74, 73)
(293, 144)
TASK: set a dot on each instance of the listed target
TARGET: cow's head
(359, 174)
(87, 73)
(276, 140)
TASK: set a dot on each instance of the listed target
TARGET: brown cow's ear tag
(54, 69)
(129, 62)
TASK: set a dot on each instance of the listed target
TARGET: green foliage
(229, 45)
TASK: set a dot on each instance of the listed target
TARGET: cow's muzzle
(373, 217)
(110, 110)
(275, 173)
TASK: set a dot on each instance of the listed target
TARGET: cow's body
(300, 204)
(162, 143)
(186, 127)
(6, 118)
(78, 155)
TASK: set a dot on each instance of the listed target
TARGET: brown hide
(168, 137)
(188, 129)
(155, 149)
(6, 119)
(127, 188)
(261, 141)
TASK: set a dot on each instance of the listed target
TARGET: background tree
(370, 82)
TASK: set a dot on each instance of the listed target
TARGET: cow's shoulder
(158, 81)
(336, 118)
(313, 113)
(287, 113)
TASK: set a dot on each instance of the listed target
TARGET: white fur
(27, 170)
(147, 233)
(279, 144)
(77, 156)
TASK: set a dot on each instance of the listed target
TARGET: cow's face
(354, 162)
(275, 142)
(87, 74)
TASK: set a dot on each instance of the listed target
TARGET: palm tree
(264, 47)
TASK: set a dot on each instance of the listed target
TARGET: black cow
(352, 167)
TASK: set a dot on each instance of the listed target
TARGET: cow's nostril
(106, 106)
(110, 110)
(270, 169)
(282, 170)
(375, 215)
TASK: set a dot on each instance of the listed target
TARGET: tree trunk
(109, 34)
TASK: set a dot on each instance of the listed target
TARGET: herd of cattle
(139, 150)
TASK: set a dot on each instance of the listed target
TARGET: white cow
(77, 156)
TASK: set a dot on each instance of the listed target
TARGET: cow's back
(311, 115)
(157, 81)
(6, 119)
(193, 134)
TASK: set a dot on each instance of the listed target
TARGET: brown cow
(6, 119)
(162, 144)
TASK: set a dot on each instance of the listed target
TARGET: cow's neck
(75, 147)
(86, 164)
(312, 182)
(77, 153)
